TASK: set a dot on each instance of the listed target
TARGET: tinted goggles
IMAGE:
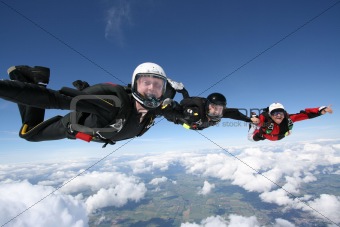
(151, 101)
(215, 110)
(277, 113)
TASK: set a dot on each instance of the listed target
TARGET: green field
(172, 204)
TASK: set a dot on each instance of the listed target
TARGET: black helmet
(217, 99)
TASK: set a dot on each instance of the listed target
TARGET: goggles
(215, 119)
(277, 113)
(215, 111)
(160, 84)
(151, 101)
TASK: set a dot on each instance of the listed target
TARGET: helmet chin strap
(150, 96)
(151, 101)
(148, 101)
(140, 108)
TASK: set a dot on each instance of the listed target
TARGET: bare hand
(328, 109)
(255, 120)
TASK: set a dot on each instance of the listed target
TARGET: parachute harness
(268, 129)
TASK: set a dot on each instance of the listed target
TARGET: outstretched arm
(235, 114)
(170, 110)
(327, 109)
(310, 113)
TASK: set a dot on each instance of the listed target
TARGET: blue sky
(254, 52)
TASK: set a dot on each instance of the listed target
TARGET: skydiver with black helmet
(198, 113)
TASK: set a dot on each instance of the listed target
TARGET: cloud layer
(276, 174)
(55, 210)
(117, 17)
(107, 189)
(235, 221)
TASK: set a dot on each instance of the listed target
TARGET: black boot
(35, 75)
(30, 116)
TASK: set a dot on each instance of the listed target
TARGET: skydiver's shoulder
(194, 100)
(107, 88)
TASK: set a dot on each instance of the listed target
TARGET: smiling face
(277, 116)
(149, 89)
(149, 86)
(215, 110)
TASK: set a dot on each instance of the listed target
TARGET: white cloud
(213, 221)
(111, 189)
(278, 196)
(159, 180)
(150, 163)
(218, 221)
(312, 147)
(117, 17)
(206, 189)
(279, 222)
(54, 210)
(259, 169)
(326, 206)
(116, 196)
(240, 221)
(337, 147)
(94, 181)
(51, 173)
(100, 220)
(235, 221)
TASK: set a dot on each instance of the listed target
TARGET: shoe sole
(11, 69)
(38, 69)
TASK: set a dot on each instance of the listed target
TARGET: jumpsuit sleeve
(172, 113)
(307, 113)
(184, 93)
(235, 114)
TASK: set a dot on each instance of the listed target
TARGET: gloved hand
(80, 85)
(254, 118)
(175, 85)
(191, 112)
(167, 103)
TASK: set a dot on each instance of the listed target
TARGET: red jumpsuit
(270, 130)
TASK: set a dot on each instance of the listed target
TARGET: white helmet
(152, 70)
(275, 106)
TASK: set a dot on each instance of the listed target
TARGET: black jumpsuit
(200, 121)
(99, 113)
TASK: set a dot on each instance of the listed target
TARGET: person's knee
(254, 134)
(28, 135)
(250, 138)
(51, 129)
